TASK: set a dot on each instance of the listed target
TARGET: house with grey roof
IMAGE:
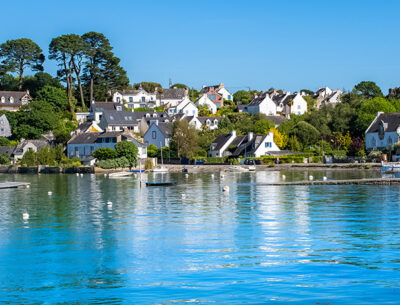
(185, 107)
(82, 145)
(383, 132)
(171, 96)
(220, 89)
(261, 103)
(13, 100)
(98, 108)
(135, 98)
(5, 127)
(326, 96)
(25, 145)
(210, 123)
(158, 134)
(249, 145)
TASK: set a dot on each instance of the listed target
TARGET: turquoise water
(256, 245)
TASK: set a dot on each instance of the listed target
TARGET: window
(153, 135)
(91, 149)
(118, 99)
(1, 122)
(130, 99)
(298, 107)
(143, 99)
(11, 100)
(119, 108)
(114, 140)
(107, 140)
(229, 97)
(3, 100)
(212, 97)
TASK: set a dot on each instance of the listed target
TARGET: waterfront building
(13, 100)
(383, 132)
(158, 134)
(135, 98)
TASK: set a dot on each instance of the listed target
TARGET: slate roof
(91, 137)
(8, 150)
(83, 127)
(172, 94)
(103, 106)
(38, 143)
(392, 121)
(221, 140)
(203, 119)
(248, 147)
(18, 96)
(258, 100)
(165, 128)
(276, 119)
(122, 117)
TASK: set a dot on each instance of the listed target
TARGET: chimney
(249, 136)
(221, 85)
(233, 133)
(93, 101)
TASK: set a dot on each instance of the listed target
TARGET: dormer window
(3, 99)
(154, 115)
(119, 108)
(118, 99)
(147, 115)
(11, 100)
(130, 99)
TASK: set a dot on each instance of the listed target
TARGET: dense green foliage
(127, 150)
(105, 153)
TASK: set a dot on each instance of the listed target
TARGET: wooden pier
(368, 181)
(9, 185)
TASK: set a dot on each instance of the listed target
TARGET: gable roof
(38, 143)
(221, 140)
(259, 99)
(276, 119)
(91, 137)
(8, 150)
(249, 146)
(391, 120)
(103, 106)
(172, 94)
(18, 98)
(122, 117)
(203, 119)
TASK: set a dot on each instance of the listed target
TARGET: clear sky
(285, 44)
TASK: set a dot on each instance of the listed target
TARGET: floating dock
(10, 185)
(368, 181)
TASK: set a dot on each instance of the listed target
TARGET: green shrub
(70, 162)
(104, 153)
(339, 154)
(121, 162)
(5, 159)
(148, 164)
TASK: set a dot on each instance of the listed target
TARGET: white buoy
(212, 176)
(183, 195)
(77, 174)
(25, 216)
(81, 175)
(310, 178)
(283, 177)
(135, 175)
(28, 186)
(325, 178)
(105, 175)
(49, 193)
(109, 203)
(226, 189)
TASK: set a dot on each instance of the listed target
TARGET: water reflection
(152, 245)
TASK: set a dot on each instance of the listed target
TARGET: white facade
(205, 101)
(214, 152)
(211, 123)
(226, 95)
(154, 136)
(186, 107)
(135, 98)
(267, 106)
(266, 146)
(299, 105)
(82, 116)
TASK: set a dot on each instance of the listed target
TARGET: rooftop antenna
(170, 82)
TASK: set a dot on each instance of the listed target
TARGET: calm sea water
(256, 245)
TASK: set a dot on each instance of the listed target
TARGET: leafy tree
(225, 123)
(20, 54)
(244, 96)
(263, 126)
(308, 92)
(306, 133)
(54, 96)
(368, 110)
(5, 159)
(310, 101)
(368, 89)
(194, 94)
(152, 151)
(148, 86)
(38, 81)
(356, 146)
(128, 150)
(46, 156)
(204, 110)
(105, 153)
(8, 82)
(280, 139)
(294, 144)
(185, 137)
(181, 86)
(62, 50)
(29, 158)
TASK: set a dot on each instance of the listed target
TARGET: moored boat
(238, 169)
(159, 169)
(119, 174)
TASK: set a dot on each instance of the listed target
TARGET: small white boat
(251, 168)
(159, 169)
(119, 174)
(238, 169)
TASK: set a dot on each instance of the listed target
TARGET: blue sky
(284, 44)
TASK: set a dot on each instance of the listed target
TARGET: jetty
(367, 181)
(9, 185)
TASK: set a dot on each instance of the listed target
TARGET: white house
(98, 108)
(171, 96)
(220, 89)
(295, 104)
(158, 134)
(383, 132)
(13, 100)
(204, 100)
(185, 107)
(249, 145)
(25, 145)
(326, 96)
(201, 122)
(262, 104)
(135, 98)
